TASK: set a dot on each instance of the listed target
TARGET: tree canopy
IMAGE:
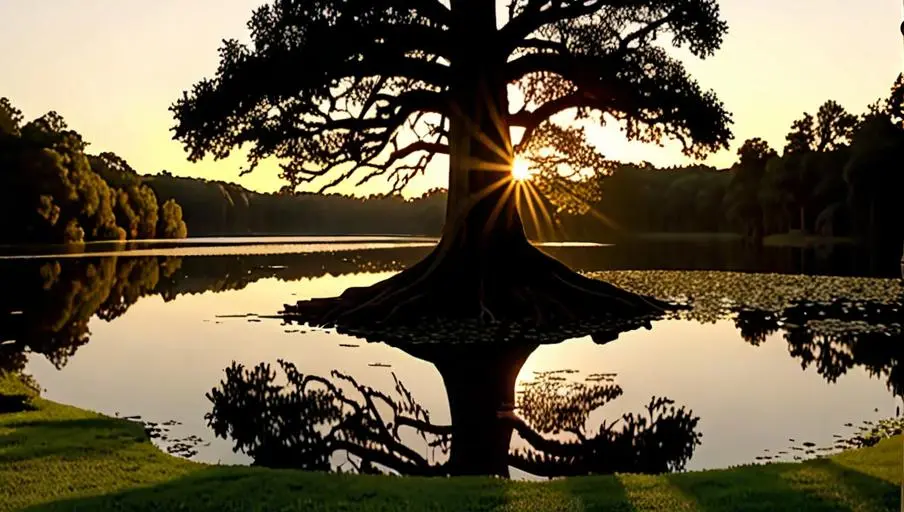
(355, 89)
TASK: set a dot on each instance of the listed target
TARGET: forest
(838, 175)
(59, 193)
(213, 208)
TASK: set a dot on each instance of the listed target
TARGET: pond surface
(153, 336)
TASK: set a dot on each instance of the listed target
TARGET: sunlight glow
(521, 170)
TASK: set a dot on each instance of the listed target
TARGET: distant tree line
(839, 174)
(58, 193)
(220, 208)
(52, 191)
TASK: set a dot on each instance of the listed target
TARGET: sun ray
(542, 207)
(526, 187)
(482, 165)
(477, 133)
(501, 126)
(593, 211)
(497, 209)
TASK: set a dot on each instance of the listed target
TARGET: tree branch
(423, 426)
(535, 16)
(386, 459)
(531, 120)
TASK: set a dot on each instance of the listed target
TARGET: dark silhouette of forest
(839, 174)
(836, 176)
(220, 208)
(52, 191)
(62, 194)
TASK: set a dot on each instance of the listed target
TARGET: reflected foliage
(303, 423)
(54, 300)
(659, 440)
(337, 423)
(835, 337)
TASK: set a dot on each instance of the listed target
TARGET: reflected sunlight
(521, 170)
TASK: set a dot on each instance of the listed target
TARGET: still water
(152, 335)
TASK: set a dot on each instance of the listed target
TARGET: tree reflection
(315, 422)
(53, 302)
(836, 337)
(660, 439)
(304, 422)
(47, 305)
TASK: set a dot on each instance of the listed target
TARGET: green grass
(57, 457)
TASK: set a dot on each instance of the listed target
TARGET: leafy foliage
(214, 208)
(59, 194)
(839, 175)
(382, 99)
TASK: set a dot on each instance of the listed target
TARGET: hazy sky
(112, 68)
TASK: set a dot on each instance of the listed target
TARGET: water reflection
(51, 307)
(47, 305)
(836, 336)
(333, 422)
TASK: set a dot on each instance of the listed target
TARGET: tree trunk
(479, 385)
(483, 267)
(481, 210)
(803, 220)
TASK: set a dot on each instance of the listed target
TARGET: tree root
(512, 293)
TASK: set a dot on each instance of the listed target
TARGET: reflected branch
(311, 420)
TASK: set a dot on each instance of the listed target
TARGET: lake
(149, 332)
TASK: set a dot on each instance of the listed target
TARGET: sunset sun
(521, 170)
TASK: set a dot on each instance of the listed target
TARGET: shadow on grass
(820, 485)
(239, 488)
(67, 439)
(15, 403)
(865, 480)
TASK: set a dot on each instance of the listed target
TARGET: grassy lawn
(56, 457)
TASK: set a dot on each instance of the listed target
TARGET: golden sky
(112, 68)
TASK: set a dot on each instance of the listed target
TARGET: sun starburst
(521, 170)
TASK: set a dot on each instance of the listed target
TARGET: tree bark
(481, 208)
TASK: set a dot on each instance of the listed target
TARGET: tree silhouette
(742, 197)
(836, 336)
(312, 421)
(59, 194)
(354, 89)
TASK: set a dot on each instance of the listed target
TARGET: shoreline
(59, 457)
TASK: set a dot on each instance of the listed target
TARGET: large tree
(357, 89)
